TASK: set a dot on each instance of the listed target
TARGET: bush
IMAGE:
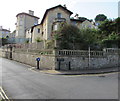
(38, 39)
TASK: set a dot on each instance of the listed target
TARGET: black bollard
(37, 64)
(38, 60)
(69, 65)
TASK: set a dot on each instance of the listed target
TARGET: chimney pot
(31, 12)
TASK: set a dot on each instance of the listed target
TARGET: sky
(85, 8)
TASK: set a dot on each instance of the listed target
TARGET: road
(19, 82)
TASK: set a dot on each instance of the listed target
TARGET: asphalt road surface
(19, 82)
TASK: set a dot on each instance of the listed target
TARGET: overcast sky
(85, 8)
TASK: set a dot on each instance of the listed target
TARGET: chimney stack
(31, 12)
(64, 6)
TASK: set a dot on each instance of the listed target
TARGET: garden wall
(67, 59)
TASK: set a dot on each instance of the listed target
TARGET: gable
(53, 8)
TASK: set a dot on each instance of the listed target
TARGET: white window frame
(55, 27)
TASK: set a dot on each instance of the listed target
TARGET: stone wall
(78, 59)
(67, 59)
(79, 63)
(46, 62)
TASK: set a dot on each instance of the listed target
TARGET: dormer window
(59, 15)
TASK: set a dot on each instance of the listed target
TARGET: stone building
(24, 21)
(87, 24)
(4, 33)
(51, 22)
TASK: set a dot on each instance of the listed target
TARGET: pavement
(80, 72)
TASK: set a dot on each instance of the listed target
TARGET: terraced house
(50, 23)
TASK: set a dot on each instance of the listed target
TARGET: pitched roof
(34, 26)
(78, 20)
(54, 8)
(23, 13)
(5, 30)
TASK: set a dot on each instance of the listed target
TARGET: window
(21, 22)
(38, 30)
(59, 15)
(7, 32)
(42, 33)
(35, 21)
(55, 27)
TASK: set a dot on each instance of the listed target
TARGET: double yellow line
(3, 95)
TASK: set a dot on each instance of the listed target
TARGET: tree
(38, 39)
(117, 25)
(70, 37)
(100, 17)
(110, 32)
(111, 40)
(88, 37)
(67, 36)
(107, 27)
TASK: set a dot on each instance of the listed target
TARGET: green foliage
(110, 32)
(110, 40)
(70, 37)
(107, 34)
(4, 41)
(27, 41)
(56, 36)
(50, 44)
(117, 25)
(88, 37)
(68, 34)
(38, 39)
(107, 27)
(100, 17)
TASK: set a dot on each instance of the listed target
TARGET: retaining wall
(78, 63)
(46, 62)
(68, 60)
